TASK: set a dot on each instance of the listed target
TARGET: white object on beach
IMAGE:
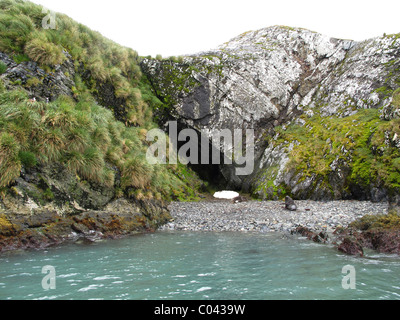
(226, 195)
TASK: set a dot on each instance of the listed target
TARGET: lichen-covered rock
(256, 80)
(317, 105)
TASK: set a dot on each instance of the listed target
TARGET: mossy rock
(389, 221)
(6, 227)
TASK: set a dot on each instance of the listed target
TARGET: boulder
(351, 247)
(321, 237)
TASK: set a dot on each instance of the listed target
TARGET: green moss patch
(363, 143)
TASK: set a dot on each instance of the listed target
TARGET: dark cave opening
(203, 165)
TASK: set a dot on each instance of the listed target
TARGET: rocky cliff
(324, 110)
(46, 203)
(74, 113)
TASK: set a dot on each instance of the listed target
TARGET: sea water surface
(196, 265)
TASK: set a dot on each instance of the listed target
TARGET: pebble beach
(268, 216)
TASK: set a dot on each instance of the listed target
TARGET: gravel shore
(267, 216)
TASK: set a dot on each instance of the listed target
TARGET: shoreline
(316, 220)
(268, 216)
(47, 228)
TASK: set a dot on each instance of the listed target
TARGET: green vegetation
(390, 221)
(19, 58)
(28, 159)
(396, 99)
(362, 142)
(324, 140)
(81, 132)
(87, 139)
(24, 39)
(3, 67)
(10, 165)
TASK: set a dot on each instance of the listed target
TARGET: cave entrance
(210, 174)
(204, 167)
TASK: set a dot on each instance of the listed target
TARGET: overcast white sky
(174, 27)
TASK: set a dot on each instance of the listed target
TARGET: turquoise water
(205, 266)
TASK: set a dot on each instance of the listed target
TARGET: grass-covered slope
(97, 131)
(99, 60)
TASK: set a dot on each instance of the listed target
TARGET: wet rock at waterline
(351, 247)
(43, 228)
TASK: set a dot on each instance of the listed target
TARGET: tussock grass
(91, 144)
(3, 67)
(22, 36)
(44, 52)
(136, 173)
(10, 165)
(77, 132)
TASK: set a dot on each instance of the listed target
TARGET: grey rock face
(259, 78)
(256, 81)
(274, 77)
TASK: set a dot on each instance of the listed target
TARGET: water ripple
(201, 266)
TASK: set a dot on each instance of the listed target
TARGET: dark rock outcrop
(318, 237)
(39, 83)
(353, 242)
(42, 228)
(351, 247)
(376, 232)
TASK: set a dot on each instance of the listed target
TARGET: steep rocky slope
(74, 113)
(324, 110)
